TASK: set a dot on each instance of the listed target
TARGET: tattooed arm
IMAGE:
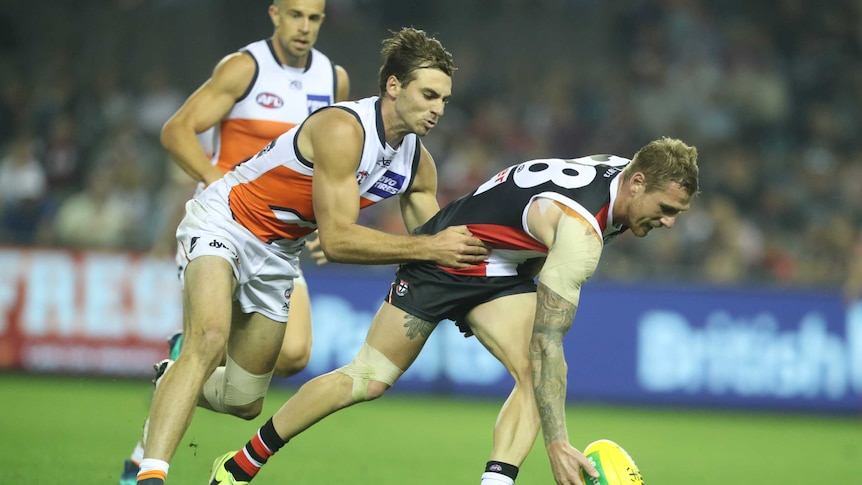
(571, 260)
(554, 316)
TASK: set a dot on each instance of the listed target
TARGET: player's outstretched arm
(335, 196)
(554, 316)
(573, 256)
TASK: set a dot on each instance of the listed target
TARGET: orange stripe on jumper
(280, 189)
(241, 139)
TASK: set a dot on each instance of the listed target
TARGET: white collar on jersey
(614, 188)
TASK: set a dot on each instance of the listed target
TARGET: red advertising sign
(94, 312)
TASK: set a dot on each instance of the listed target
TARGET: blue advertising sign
(745, 348)
(109, 313)
(748, 348)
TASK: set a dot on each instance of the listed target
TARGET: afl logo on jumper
(269, 100)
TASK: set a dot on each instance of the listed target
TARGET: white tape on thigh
(242, 387)
(370, 365)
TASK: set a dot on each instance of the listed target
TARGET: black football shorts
(427, 292)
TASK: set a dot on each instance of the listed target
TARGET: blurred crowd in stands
(769, 91)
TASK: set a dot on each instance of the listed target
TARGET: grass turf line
(74, 430)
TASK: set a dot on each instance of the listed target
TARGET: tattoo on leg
(417, 327)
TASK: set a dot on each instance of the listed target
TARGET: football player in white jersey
(253, 96)
(241, 237)
(549, 217)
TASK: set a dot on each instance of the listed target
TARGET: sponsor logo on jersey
(193, 243)
(220, 245)
(384, 162)
(317, 101)
(269, 100)
(501, 177)
(296, 84)
(387, 185)
(496, 180)
(402, 288)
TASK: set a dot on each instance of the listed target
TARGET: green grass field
(72, 430)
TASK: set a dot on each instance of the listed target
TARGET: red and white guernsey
(278, 98)
(270, 194)
(496, 212)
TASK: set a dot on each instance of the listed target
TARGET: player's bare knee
(199, 353)
(372, 374)
(522, 373)
(208, 344)
(287, 368)
(292, 360)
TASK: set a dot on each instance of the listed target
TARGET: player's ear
(393, 85)
(637, 183)
(273, 14)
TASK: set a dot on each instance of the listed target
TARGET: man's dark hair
(409, 50)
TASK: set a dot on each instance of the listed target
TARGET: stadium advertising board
(86, 312)
(109, 313)
(745, 348)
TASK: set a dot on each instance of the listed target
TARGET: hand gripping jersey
(278, 98)
(270, 194)
(496, 212)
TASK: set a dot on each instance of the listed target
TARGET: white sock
(491, 478)
(138, 453)
(150, 464)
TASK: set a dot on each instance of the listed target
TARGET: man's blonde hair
(666, 160)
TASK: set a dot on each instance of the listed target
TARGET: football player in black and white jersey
(548, 217)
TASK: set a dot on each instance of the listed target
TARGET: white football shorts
(264, 272)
